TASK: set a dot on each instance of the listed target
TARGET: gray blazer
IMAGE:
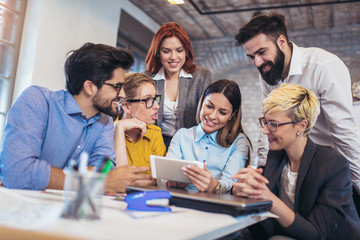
(190, 91)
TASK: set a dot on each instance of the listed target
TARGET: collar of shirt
(161, 74)
(149, 127)
(296, 58)
(71, 107)
(200, 134)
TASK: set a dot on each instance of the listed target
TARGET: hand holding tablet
(171, 168)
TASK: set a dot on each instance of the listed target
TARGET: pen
(108, 167)
(105, 165)
(81, 196)
(84, 157)
(86, 192)
(72, 166)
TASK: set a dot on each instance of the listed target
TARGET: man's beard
(104, 107)
(273, 76)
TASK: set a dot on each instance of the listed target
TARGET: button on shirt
(46, 128)
(194, 144)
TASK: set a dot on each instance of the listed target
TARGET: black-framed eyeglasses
(272, 126)
(149, 102)
(116, 86)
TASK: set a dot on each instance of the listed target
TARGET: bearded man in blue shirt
(45, 129)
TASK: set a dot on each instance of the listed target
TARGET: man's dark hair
(96, 63)
(272, 25)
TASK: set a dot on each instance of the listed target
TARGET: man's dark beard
(100, 105)
(273, 76)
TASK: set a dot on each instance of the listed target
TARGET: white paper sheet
(26, 213)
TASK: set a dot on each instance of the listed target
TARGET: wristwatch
(218, 187)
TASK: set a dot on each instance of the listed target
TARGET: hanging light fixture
(176, 1)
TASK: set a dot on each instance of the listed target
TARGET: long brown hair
(171, 29)
(230, 89)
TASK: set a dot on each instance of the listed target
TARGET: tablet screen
(171, 168)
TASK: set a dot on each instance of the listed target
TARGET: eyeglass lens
(150, 102)
(118, 87)
(271, 125)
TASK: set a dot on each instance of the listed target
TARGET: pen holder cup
(83, 195)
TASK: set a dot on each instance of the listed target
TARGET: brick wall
(226, 61)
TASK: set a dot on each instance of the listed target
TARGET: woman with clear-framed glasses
(309, 184)
(136, 136)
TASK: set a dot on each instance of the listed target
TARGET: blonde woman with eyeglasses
(309, 184)
(136, 136)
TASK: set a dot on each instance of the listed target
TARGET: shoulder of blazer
(200, 71)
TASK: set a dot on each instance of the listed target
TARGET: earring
(297, 134)
(230, 119)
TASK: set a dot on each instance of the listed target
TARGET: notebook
(210, 202)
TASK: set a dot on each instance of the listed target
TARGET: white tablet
(170, 168)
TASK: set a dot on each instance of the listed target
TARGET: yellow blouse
(152, 143)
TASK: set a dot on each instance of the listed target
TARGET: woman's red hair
(171, 29)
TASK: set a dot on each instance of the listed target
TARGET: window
(135, 36)
(11, 22)
(139, 65)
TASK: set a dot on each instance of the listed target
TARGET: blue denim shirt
(194, 144)
(45, 128)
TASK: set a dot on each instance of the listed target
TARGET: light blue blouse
(194, 144)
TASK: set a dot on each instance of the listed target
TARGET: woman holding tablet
(309, 184)
(135, 129)
(219, 140)
(180, 82)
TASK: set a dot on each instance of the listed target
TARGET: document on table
(26, 213)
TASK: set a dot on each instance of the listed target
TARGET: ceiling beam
(290, 16)
(195, 21)
(332, 17)
(216, 21)
(163, 12)
(311, 15)
(270, 7)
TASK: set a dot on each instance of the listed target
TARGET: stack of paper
(26, 213)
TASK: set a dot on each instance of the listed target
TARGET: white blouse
(169, 112)
(288, 186)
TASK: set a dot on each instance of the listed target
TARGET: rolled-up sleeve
(22, 142)
(336, 105)
(236, 160)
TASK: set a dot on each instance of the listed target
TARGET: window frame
(19, 24)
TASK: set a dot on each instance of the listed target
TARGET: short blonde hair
(300, 104)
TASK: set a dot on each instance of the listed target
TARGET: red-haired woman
(169, 62)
